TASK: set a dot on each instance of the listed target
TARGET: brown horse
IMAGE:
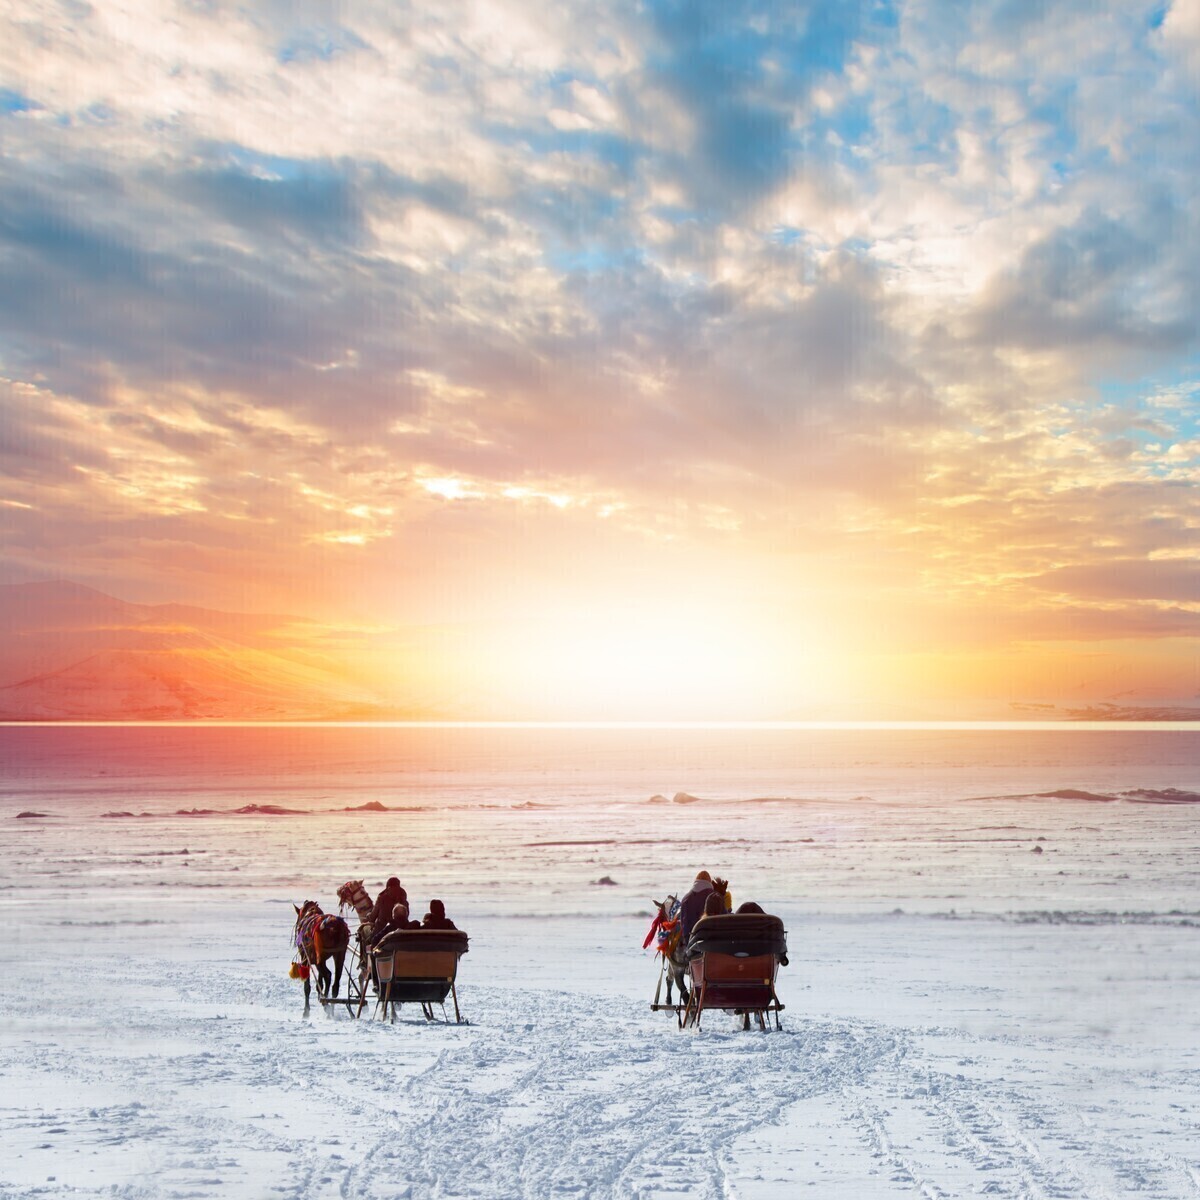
(319, 937)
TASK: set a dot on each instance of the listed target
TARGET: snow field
(161, 1064)
(986, 996)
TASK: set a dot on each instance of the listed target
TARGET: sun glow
(637, 662)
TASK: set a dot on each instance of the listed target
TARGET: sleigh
(733, 961)
(418, 966)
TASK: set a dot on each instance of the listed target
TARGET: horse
(670, 946)
(318, 937)
(352, 894)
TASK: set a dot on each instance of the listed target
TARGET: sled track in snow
(593, 1108)
(560, 1094)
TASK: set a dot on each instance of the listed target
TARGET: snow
(963, 1017)
(165, 1065)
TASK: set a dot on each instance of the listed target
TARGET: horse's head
(306, 910)
(345, 893)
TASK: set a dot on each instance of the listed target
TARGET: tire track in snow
(616, 1105)
(560, 1094)
(943, 1134)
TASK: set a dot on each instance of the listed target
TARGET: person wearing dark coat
(398, 920)
(691, 907)
(714, 906)
(391, 895)
(436, 917)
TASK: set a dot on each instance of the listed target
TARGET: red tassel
(653, 931)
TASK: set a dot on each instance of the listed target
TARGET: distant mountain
(1106, 710)
(69, 652)
(1135, 712)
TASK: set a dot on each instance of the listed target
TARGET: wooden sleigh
(418, 966)
(733, 962)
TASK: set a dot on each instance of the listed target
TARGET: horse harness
(308, 933)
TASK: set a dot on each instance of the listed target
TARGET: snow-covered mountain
(69, 652)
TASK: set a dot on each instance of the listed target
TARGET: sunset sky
(655, 359)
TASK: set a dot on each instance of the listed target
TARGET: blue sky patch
(14, 102)
(318, 44)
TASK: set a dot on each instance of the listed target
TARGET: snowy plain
(992, 988)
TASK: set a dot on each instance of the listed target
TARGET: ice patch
(1175, 918)
(270, 810)
(1162, 796)
(1074, 794)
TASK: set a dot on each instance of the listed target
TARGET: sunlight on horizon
(1063, 726)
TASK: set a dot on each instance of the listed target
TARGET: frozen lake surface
(993, 936)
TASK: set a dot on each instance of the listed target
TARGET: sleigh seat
(418, 966)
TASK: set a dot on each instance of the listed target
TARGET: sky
(663, 360)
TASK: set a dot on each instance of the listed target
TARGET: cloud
(1099, 282)
(1128, 579)
(905, 284)
(737, 83)
(1180, 31)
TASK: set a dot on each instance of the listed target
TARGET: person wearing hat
(398, 920)
(436, 917)
(691, 907)
(391, 895)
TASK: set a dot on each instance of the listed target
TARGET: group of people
(391, 913)
(708, 896)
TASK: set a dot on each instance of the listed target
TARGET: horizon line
(700, 725)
